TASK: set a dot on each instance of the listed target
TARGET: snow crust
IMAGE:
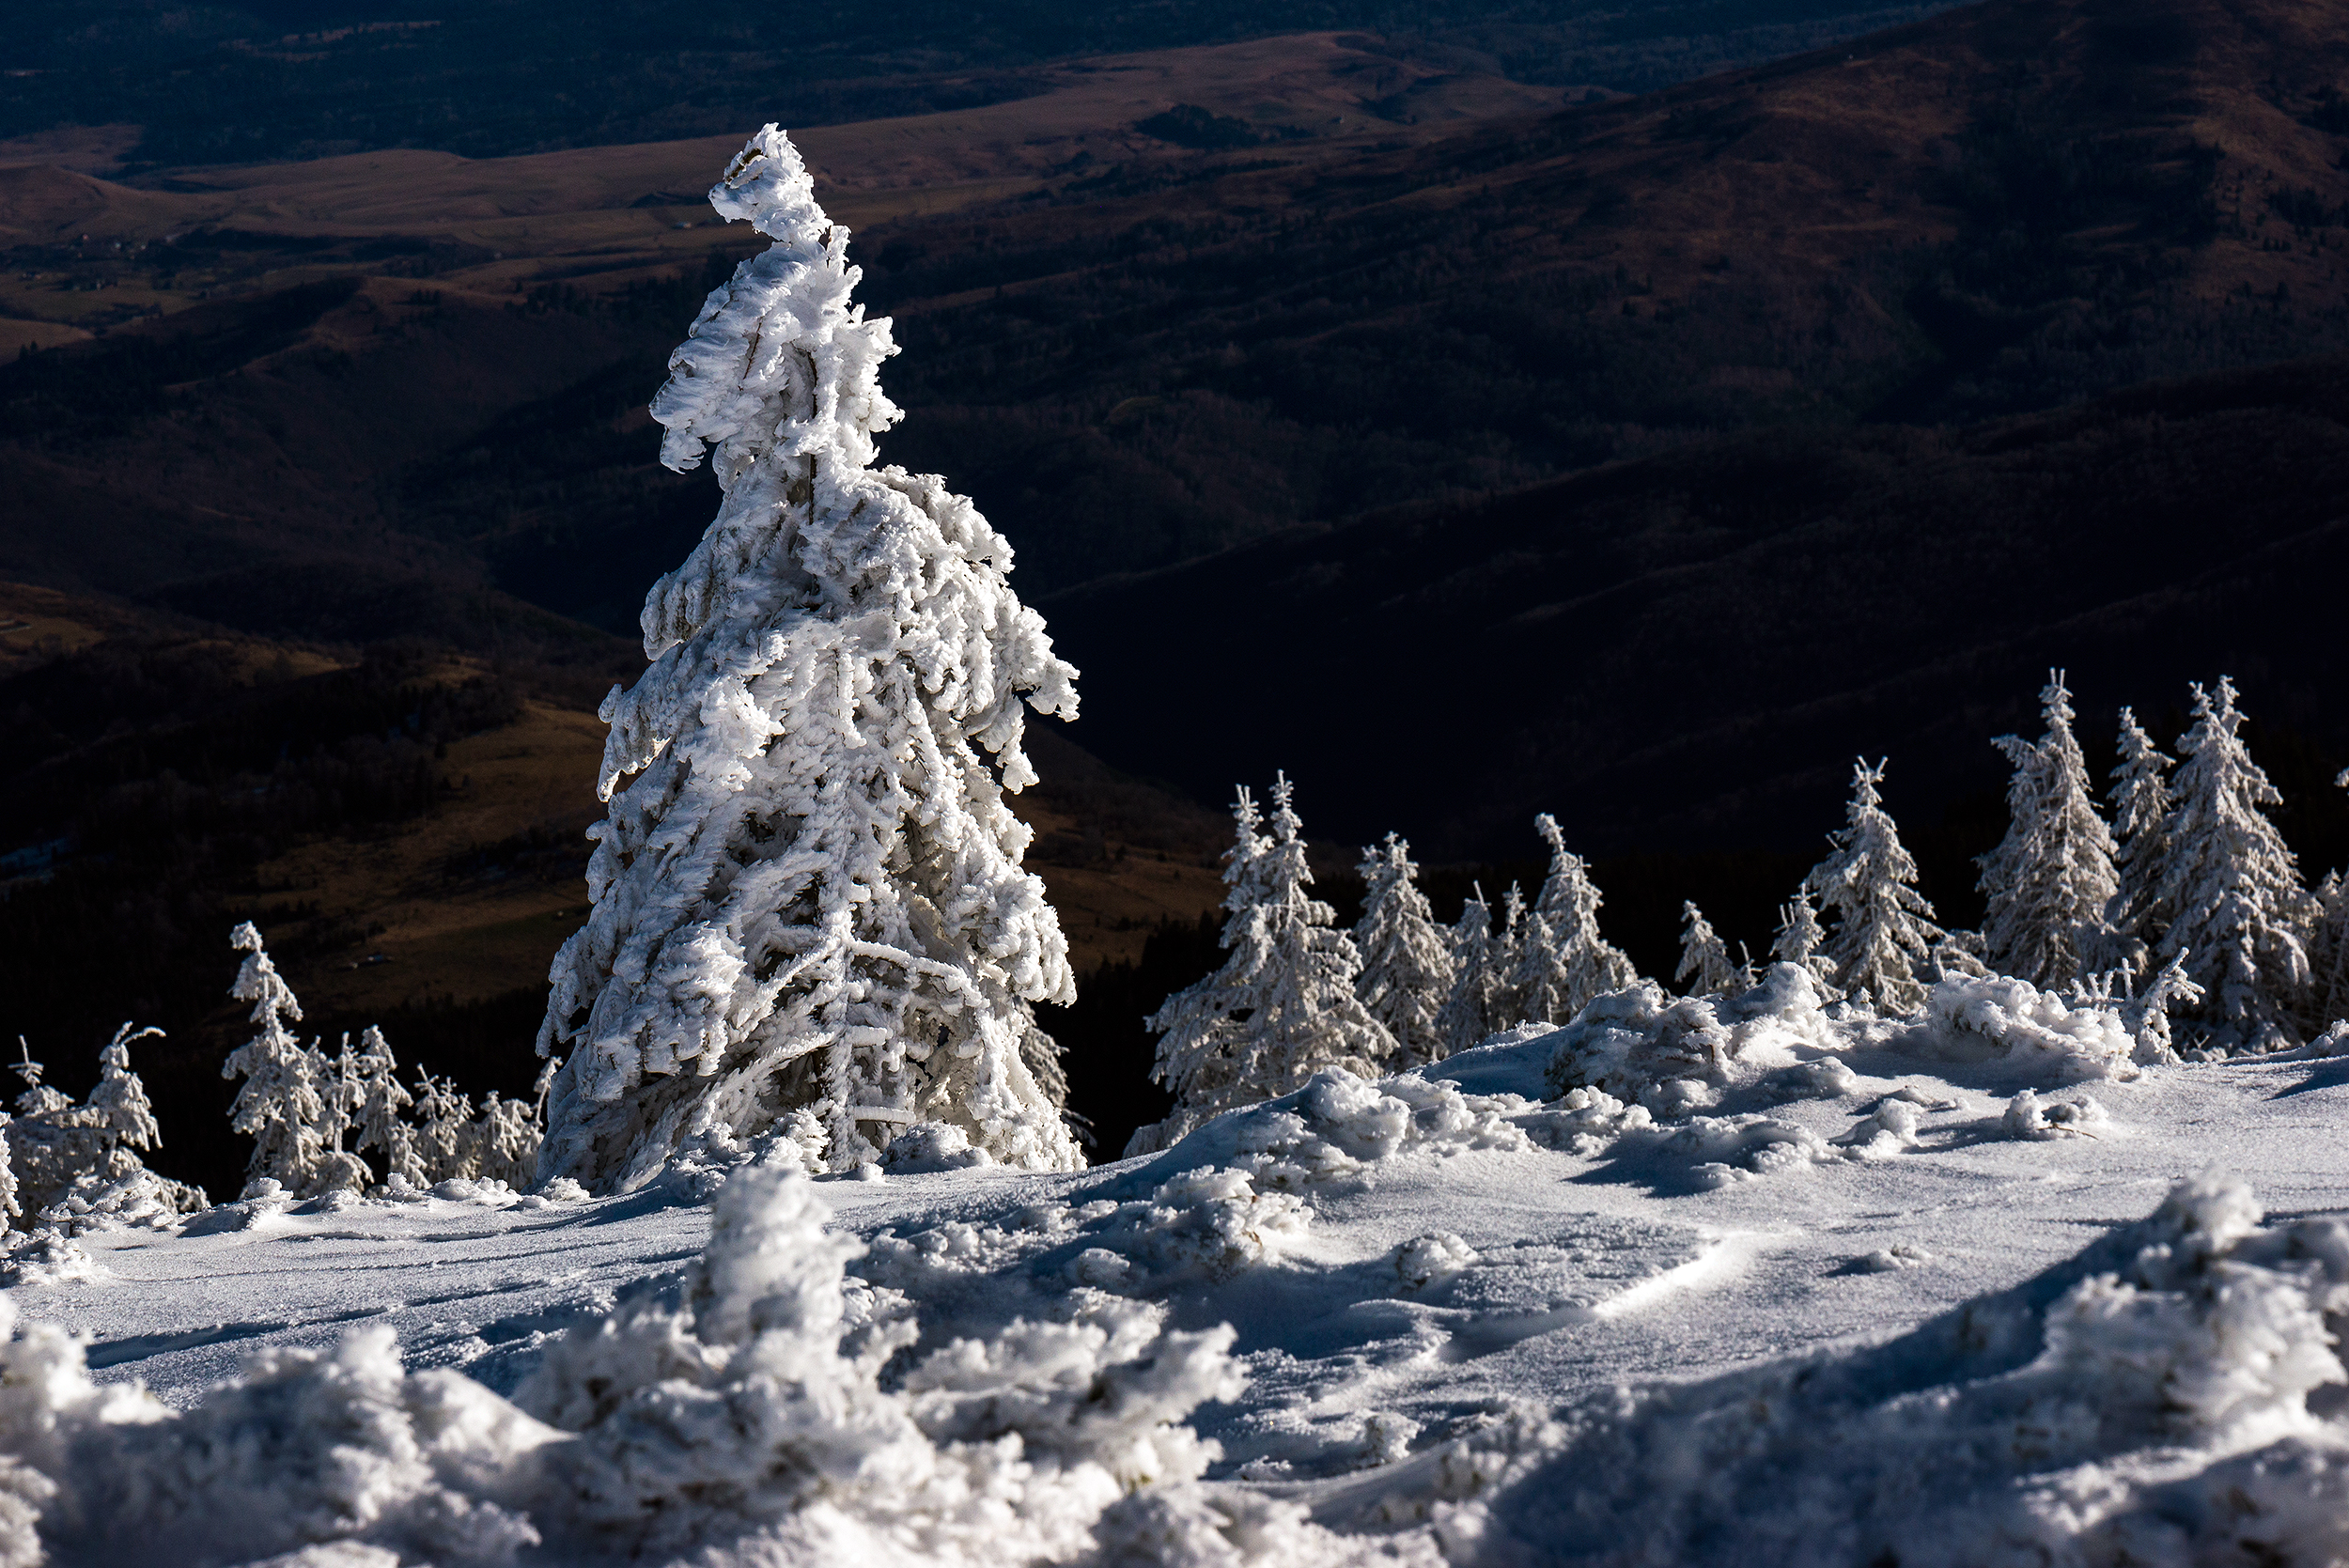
(1854, 1296)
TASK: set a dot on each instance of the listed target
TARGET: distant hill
(2002, 208)
(276, 79)
(1689, 650)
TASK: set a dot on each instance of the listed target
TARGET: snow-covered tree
(2329, 961)
(2135, 918)
(1883, 932)
(444, 1140)
(1467, 1015)
(808, 893)
(503, 1142)
(281, 1106)
(1406, 961)
(1198, 1025)
(1705, 967)
(1535, 988)
(119, 1098)
(378, 1101)
(1508, 953)
(1801, 939)
(1570, 904)
(2238, 910)
(2051, 878)
(1283, 1007)
(56, 1149)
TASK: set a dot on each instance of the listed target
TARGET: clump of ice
(137, 1200)
(1891, 1260)
(1583, 1122)
(2035, 1034)
(45, 1257)
(1890, 1129)
(1675, 1054)
(1725, 1150)
(2146, 1402)
(1428, 1260)
(2030, 1117)
(928, 1146)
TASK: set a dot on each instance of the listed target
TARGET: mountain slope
(1688, 649)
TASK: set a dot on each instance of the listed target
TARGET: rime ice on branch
(807, 893)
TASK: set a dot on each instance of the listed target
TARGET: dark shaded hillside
(2000, 209)
(1689, 650)
(232, 83)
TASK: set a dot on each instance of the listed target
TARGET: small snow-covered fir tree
(1534, 990)
(2238, 909)
(338, 1075)
(2329, 961)
(1197, 1059)
(808, 893)
(503, 1142)
(1507, 1005)
(1406, 961)
(1801, 939)
(119, 1098)
(1883, 932)
(281, 1105)
(2051, 879)
(379, 1103)
(1281, 1009)
(1705, 967)
(444, 1141)
(1467, 1015)
(2135, 918)
(1591, 965)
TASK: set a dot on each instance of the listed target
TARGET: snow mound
(137, 1200)
(2146, 1402)
(2035, 1034)
(1725, 1150)
(930, 1146)
(1339, 1125)
(1676, 1054)
(2029, 1117)
(739, 1415)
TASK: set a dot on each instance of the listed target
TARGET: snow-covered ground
(1486, 1323)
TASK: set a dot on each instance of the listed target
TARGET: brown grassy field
(614, 212)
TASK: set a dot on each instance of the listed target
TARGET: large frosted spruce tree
(807, 892)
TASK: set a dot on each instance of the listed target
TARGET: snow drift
(2146, 1402)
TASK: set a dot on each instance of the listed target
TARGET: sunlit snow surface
(1400, 1300)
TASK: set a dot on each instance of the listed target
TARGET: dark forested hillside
(1689, 649)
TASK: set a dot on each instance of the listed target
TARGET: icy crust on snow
(740, 1411)
(2145, 1402)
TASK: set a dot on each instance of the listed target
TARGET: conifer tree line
(316, 1115)
(2174, 895)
